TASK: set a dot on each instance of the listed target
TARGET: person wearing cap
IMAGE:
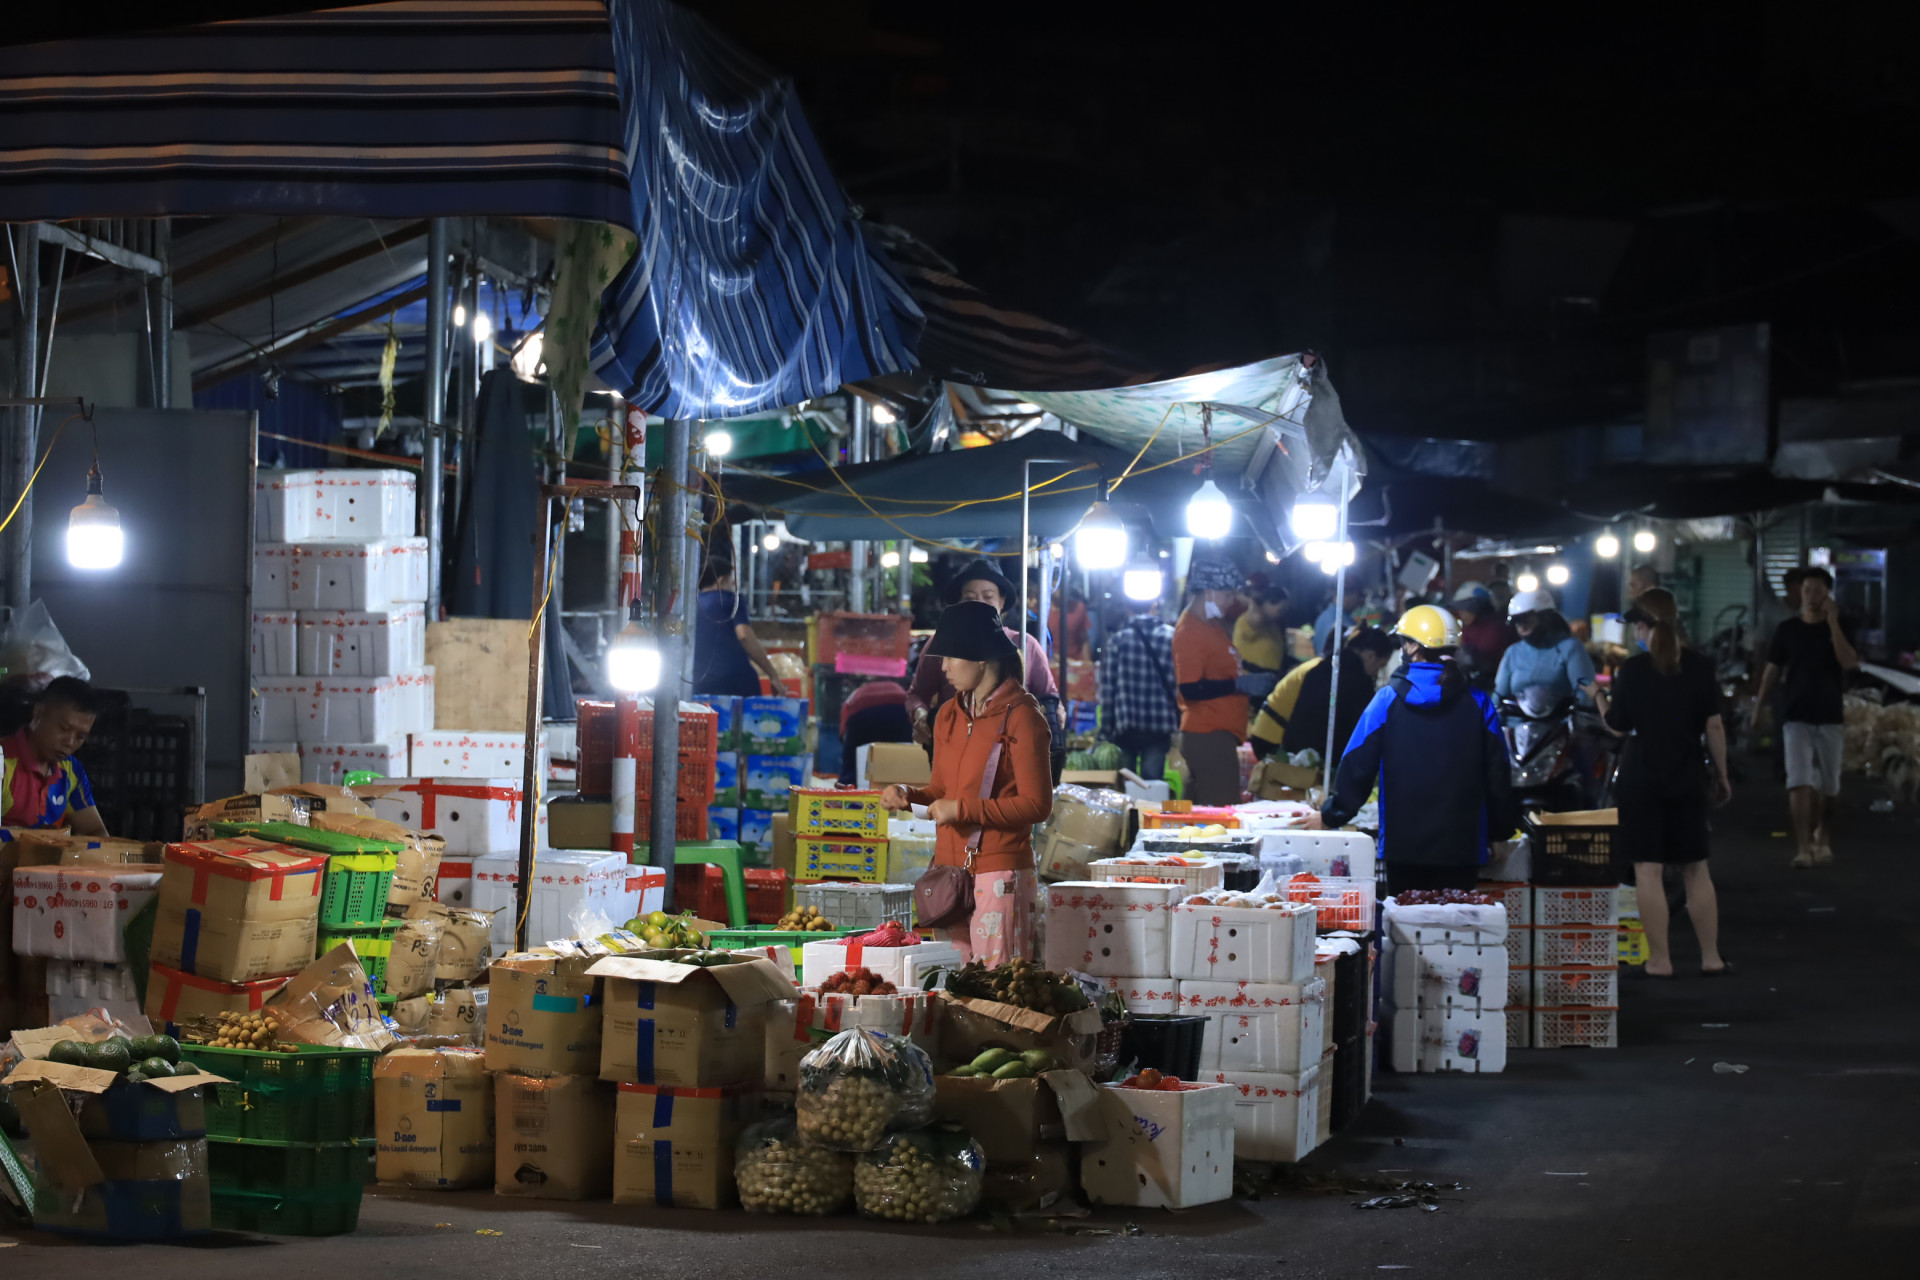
(1294, 716)
(1432, 745)
(991, 775)
(976, 581)
(1258, 637)
(1548, 655)
(1485, 636)
(1213, 692)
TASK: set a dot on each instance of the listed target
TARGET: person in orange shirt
(1213, 693)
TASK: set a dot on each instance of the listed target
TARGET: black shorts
(1662, 828)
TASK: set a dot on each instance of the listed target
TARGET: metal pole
(433, 454)
(670, 556)
(859, 552)
(163, 306)
(906, 577)
(1026, 534)
(26, 417)
(692, 561)
(1060, 641)
(536, 696)
(1339, 634)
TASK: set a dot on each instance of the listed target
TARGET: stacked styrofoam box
(1116, 931)
(474, 753)
(339, 576)
(570, 889)
(1446, 987)
(1575, 960)
(1321, 853)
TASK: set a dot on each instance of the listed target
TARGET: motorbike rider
(1548, 654)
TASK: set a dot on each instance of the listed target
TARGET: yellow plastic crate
(839, 858)
(1633, 941)
(827, 812)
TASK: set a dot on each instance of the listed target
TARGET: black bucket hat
(980, 571)
(970, 631)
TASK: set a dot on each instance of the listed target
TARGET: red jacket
(1022, 792)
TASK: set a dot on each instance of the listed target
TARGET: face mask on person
(1212, 610)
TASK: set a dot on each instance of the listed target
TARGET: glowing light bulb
(1557, 575)
(719, 443)
(889, 559)
(1645, 541)
(1315, 518)
(482, 327)
(1527, 582)
(633, 660)
(1606, 546)
(918, 555)
(1209, 514)
(1101, 542)
(94, 536)
(1143, 580)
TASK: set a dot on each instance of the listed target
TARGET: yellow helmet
(1430, 627)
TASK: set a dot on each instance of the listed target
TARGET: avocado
(992, 1060)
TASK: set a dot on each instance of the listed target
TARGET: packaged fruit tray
(311, 1094)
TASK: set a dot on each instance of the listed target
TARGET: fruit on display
(1006, 1064)
(858, 1085)
(777, 1172)
(929, 1176)
(137, 1058)
(258, 1030)
(1152, 1079)
(664, 932)
(890, 934)
(1077, 761)
(804, 920)
(1018, 982)
(1106, 755)
(857, 982)
(1445, 898)
(709, 959)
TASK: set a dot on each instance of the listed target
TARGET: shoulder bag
(943, 896)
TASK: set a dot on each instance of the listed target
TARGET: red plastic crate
(699, 732)
(866, 635)
(690, 822)
(700, 887)
(766, 895)
(597, 733)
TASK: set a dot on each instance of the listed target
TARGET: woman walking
(991, 781)
(1668, 701)
(728, 658)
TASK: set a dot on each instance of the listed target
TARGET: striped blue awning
(755, 285)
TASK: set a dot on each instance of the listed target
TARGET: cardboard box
(726, 780)
(264, 771)
(1276, 1115)
(1096, 819)
(767, 781)
(459, 1014)
(174, 998)
(773, 727)
(1160, 1149)
(724, 824)
(465, 943)
(1110, 928)
(77, 912)
(332, 1002)
(686, 1027)
(785, 853)
(237, 910)
(1103, 778)
(1259, 1026)
(673, 1146)
(756, 830)
(543, 1017)
(796, 1026)
(433, 1119)
(1242, 944)
(550, 1136)
(1014, 1119)
(580, 824)
(148, 1191)
(64, 849)
(970, 1026)
(1064, 859)
(882, 764)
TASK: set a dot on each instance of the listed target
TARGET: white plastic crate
(1343, 902)
(857, 906)
(276, 644)
(1571, 947)
(1519, 1027)
(1598, 908)
(361, 502)
(1519, 948)
(1519, 989)
(1571, 1028)
(1109, 928)
(380, 642)
(1576, 988)
(1259, 1026)
(1515, 896)
(284, 505)
(1273, 943)
(1193, 877)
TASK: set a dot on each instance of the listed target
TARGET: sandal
(1726, 967)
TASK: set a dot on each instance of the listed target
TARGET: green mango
(992, 1060)
(1015, 1070)
(965, 1073)
(1039, 1061)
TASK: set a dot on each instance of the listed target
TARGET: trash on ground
(1882, 805)
(1729, 1068)
(1716, 1026)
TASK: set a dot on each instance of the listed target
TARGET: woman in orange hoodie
(992, 775)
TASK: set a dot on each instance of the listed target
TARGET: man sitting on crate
(45, 785)
(1432, 745)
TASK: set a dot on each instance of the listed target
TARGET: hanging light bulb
(771, 542)
(889, 559)
(1557, 575)
(482, 328)
(1101, 542)
(1645, 541)
(1606, 546)
(1143, 580)
(1272, 558)
(1315, 518)
(883, 415)
(459, 315)
(719, 443)
(1527, 582)
(918, 555)
(1334, 555)
(526, 359)
(633, 660)
(1209, 514)
(94, 538)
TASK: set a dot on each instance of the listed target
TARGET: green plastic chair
(728, 855)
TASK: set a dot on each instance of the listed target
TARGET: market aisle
(1643, 1162)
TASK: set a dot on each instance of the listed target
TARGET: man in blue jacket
(1432, 744)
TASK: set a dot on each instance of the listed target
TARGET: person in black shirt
(1668, 701)
(1809, 659)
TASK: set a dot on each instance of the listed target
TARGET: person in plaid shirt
(1140, 714)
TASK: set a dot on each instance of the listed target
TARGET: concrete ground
(1638, 1163)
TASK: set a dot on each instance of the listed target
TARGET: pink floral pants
(1001, 928)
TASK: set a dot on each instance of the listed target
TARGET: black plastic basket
(1348, 1081)
(1169, 1043)
(141, 766)
(1352, 992)
(1573, 855)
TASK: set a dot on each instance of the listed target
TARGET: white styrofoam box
(1273, 943)
(1582, 907)
(1455, 923)
(284, 506)
(77, 913)
(1576, 988)
(416, 697)
(75, 987)
(1517, 898)
(473, 815)
(1519, 994)
(342, 642)
(1259, 1026)
(334, 709)
(408, 570)
(364, 575)
(472, 753)
(453, 886)
(1160, 1149)
(331, 762)
(1147, 996)
(276, 644)
(1553, 948)
(1108, 928)
(277, 709)
(360, 502)
(646, 891)
(276, 566)
(1439, 975)
(1276, 1114)
(1322, 853)
(1448, 1040)
(902, 966)
(570, 888)
(563, 754)
(1511, 861)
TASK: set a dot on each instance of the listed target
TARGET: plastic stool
(725, 854)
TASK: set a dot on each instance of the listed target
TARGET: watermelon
(1106, 755)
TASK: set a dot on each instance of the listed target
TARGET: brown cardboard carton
(687, 1135)
(550, 1137)
(237, 910)
(970, 1026)
(262, 771)
(63, 848)
(1094, 818)
(1013, 1119)
(410, 963)
(581, 824)
(542, 1016)
(903, 762)
(433, 1119)
(325, 796)
(674, 1024)
(459, 1013)
(785, 852)
(247, 807)
(1064, 859)
(175, 998)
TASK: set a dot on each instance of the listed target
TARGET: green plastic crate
(372, 946)
(743, 939)
(293, 1167)
(333, 1212)
(312, 839)
(359, 874)
(315, 1095)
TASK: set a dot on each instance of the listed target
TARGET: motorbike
(1563, 758)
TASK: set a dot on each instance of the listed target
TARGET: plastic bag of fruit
(860, 1085)
(779, 1172)
(927, 1176)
